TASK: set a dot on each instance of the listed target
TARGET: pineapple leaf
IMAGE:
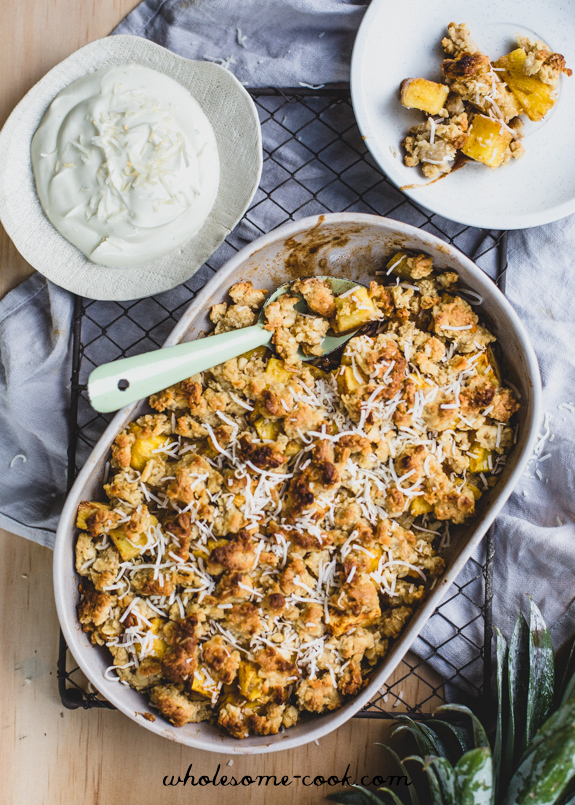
(358, 796)
(474, 773)
(500, 769)
(452, 734)
(432, 781)
(517, 676)
(546, 773)
(557, 721)
(427, 741)
(541, 673)
(479, 736)
(403, 770)
(569, 798)
(423, 744)
(567, 689)
(434, 739)
(445, 775)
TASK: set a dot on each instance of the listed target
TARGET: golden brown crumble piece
(459, 40)
(94, 607)
(281, 312)
(177, 707)
(319, 694)
(221, 661)
(244, 293)
(234, 317)
(540, 62)
(318, 295)
(435, 145)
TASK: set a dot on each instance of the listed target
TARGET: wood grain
(36, 35)
(49, 755)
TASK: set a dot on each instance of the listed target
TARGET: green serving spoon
(119, 383)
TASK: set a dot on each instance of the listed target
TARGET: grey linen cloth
(286, 43)
(35, 320)
(265, 43)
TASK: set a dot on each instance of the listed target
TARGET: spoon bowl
(113, 385)
(331, 341)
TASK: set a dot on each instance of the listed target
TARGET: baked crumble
(477, 111)
(271, 526)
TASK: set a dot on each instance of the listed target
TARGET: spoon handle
(119, 383)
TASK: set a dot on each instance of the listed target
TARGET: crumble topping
(271, 526)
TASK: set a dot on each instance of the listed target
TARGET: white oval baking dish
(350, 245)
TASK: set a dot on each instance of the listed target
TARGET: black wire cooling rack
(315, 161)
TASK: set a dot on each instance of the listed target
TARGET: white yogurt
(126, 165)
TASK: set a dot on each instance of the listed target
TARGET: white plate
(234, 119)
(403, 40)
(353, 246)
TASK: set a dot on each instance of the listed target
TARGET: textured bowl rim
(320, 725)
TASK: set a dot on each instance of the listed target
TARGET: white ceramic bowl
(350, 245)
(234, 119)
(395, 42)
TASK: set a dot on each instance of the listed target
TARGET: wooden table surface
(49, 755)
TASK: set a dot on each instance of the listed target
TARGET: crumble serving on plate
(477, 111)
(272, 525)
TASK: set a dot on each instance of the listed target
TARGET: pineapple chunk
(479, 460)
(130, 547)
(230, 695)
(353, 311)
(276, 370)
(86, 509)
(203, 683)
(292, 449)
(419, 93)
(159, 645)
(410, 266)
(487, 141)
(495, 370)
(374, 560)
(347, 382)
(142, 449)
(207, 449)
(316, 372)
(419, 506)
(535, 97)
(201, 551)
(474, 491)
(267, 429)
(249, 682)
(399, 264)
(487, 366)
(256, 352)
(422, 383)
